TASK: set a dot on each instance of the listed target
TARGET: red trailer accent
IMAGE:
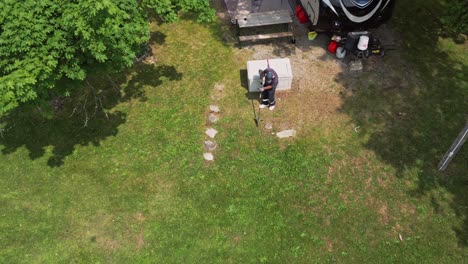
(301, 15)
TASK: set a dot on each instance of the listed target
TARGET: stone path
(210, 145)
(213, 118)
(211, 132)
(208, 156)
(286, 133)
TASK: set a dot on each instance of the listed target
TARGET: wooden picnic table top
(264, 19)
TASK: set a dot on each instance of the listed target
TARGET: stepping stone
(214, 108)
(216, 97)
(211, 132)
(219, 87)
(268, 126)
(286, 133)
(355, 65)
(210, 145)
(213, 118)
(208, 156)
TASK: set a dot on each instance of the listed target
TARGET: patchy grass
(135, 188)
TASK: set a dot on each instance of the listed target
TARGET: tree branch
(85, 111)
(116, 87)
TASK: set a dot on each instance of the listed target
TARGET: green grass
(135, 188)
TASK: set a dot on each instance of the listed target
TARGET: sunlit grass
(144, 193)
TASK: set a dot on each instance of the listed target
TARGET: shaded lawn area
(135, 188)
(414, 109)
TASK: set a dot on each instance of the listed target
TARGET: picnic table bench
(266, 19)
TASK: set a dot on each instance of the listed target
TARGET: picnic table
(266, 19)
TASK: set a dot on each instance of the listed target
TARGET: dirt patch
(140, 217)
(369, 182)
(98, 232)
(400, 232)
(315, 97)
(359, 164)
(345, 197)
(320, 81)
(237, 239)
(107, 243)
(110, 232)
(218, 92)
(384, 214)
(328, 243)
(397, 227)
(140, 240)
(407, 209)
(381, 180)
(221, 11)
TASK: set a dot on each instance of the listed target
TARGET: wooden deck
(270, 18)
(266, 36)
(264, 19)
(238, 8)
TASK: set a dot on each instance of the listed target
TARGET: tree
(169, 10)
(42, 42)
(455, 17)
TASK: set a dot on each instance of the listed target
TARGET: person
(269, 80)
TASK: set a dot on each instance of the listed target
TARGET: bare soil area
(320, 80)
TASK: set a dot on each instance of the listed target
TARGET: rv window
(362, 3)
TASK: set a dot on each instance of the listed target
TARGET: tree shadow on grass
(411, 113)
(26, 127)
(158, 38)
(147, 75)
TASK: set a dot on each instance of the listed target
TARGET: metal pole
(454, 149)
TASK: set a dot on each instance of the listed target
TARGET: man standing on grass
(270, 81)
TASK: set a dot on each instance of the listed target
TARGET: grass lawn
(134, 188)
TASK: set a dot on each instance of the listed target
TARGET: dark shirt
(274, 82)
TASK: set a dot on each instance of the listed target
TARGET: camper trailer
(344, 15)
(240, 8)
(322, 15)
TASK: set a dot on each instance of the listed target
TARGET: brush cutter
(256, 117)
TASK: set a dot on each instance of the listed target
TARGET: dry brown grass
(384, 214)
(329, 244)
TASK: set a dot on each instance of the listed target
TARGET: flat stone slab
(208, 156)
(219, 87)
(286, 133)
(211, 132)
(210, 145)
(214, 108)
(216, 97)
(356, 65)
(213, 118)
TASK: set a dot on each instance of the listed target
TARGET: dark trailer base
(346, 15)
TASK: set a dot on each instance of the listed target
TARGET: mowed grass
(134, 188)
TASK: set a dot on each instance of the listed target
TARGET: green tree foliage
(455, 17)
(168, 10)
(44, 41)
